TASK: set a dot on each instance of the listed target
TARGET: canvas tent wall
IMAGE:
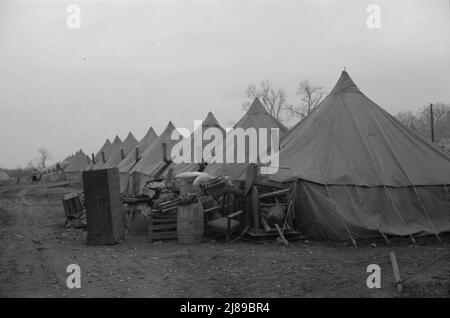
(151, 161)
(116, 156)
(256, 117)
(360, 173)
(130, 160)
(77, 164)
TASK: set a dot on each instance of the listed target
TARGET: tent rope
(394, 206)
(363, 203)
(334, 205)
(422, 206)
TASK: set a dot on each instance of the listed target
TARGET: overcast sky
(134, 64)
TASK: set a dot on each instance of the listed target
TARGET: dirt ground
(35, 250)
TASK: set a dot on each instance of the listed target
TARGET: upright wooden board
(104, 211)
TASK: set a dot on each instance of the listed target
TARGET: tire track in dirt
(25, 270)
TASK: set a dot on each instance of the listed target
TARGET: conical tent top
(257, 107)
(150, 133)
(210, 121)
(130, 138)
(345, 84)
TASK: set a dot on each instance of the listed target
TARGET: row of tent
(359, 173)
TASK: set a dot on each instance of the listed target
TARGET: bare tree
(274, 100)
(311, 96)
(30, 165)
(420, 122)
(44, 156)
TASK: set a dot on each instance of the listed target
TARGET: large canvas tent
(210, 121)
(152, 161)
(108, 151)
(79, 162)
(104, 148)
(360, 173)
(130, 159)
(115, 156)
(256, 117)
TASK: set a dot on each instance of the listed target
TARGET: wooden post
(122, 154)
(398, 280)
(136, 154)
(93, 159)
(103, 157)
(432, 122)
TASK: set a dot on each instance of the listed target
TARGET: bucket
(190, 224)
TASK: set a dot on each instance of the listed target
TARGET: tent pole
(392, 204)
(334, 205)
(422, 206)
(363, 203)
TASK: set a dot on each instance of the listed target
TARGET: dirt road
(35, 250)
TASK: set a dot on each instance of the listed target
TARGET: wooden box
(104, 211)
(72, 204)
(162, 226)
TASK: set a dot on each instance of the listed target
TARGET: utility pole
(432, 122)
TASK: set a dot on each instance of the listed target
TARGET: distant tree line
(420, 122)
(275, 100)
(41, 162)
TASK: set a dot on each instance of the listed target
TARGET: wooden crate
(162, 226)
(104, 211)
(72, 204)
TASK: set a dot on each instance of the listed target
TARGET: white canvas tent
(115, 156)
(256, 117)
(108, 151)
(210, 121)
(79, 162)
(152, 161)
(360, 173)
(130, 160)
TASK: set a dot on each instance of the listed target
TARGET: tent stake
(398, 280)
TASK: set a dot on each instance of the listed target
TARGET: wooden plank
(274, 193)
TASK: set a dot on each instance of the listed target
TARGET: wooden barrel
(190, 224)
(185, 186)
